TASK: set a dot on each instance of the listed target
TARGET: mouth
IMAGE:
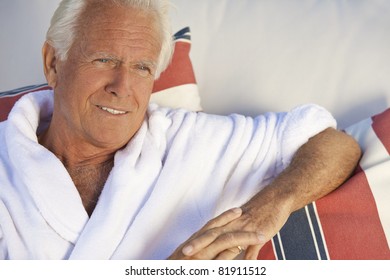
(112, 111)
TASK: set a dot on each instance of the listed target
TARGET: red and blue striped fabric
(8, 98)
(180, 70)
(353, 222)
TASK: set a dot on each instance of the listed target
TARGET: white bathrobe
(179, 170)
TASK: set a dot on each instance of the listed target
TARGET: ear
(49, 64)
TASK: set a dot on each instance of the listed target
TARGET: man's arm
(319, 166)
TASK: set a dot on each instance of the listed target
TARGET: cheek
(77, 76)
(72, 95)
(88, 81)
(143, 91)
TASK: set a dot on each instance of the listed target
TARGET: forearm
(320, 166)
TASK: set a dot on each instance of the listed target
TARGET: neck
(88, 166)
(74, 152)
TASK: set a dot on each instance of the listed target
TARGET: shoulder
(182, 119)
(311, 113)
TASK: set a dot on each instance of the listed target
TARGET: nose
(120, 83)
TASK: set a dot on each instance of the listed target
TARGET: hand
(265, 214)
(250, 228)
(262, 217)
(216, 241)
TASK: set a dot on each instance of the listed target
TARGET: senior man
(91, 171)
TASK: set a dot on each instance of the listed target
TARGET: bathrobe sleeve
(225, 160)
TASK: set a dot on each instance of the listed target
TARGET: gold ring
(233, 250)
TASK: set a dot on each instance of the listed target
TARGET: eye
(102, 60)
(143, 70)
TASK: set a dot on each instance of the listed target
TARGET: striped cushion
(8, 98)
(175, 88)
(352, 222)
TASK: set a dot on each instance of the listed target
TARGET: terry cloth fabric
(179, 170)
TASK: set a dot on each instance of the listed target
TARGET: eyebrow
(148, 63)
(105, 55)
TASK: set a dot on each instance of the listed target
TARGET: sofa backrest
(250, 56)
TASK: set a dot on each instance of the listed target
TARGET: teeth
(112, 111)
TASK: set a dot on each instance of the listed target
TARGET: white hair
(63, 27)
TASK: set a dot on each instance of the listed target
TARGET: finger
(201, 241)
(252, 252)
(230, 254)
(210, 231)
(227, 241)
(225, 218)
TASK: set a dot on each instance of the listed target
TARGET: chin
(112, 136)
(111, 142)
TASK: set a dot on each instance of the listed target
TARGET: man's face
(102, 90)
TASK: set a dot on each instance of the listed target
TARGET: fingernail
(237, 210)
(187, 250)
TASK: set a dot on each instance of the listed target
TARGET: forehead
(110, 26)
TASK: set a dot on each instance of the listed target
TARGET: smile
(112, 111)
